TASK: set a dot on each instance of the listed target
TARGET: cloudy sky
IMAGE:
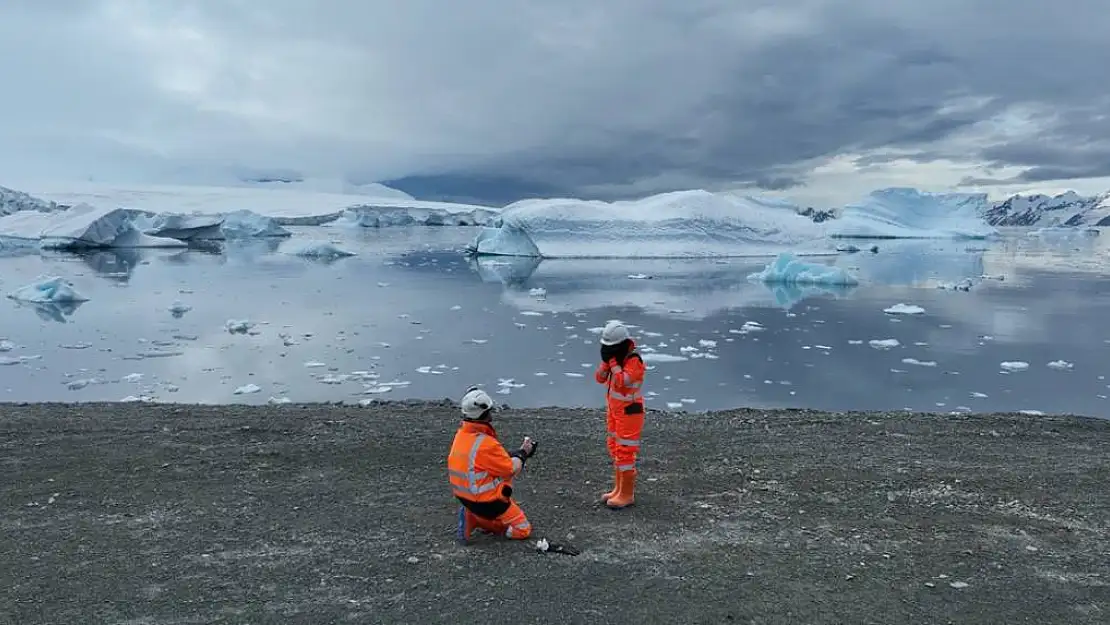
(820, 100)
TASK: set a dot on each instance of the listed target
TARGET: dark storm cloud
(500, 99)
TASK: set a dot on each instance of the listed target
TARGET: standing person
(622, 371)
(481, 473)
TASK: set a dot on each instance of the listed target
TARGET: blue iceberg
(787, 269)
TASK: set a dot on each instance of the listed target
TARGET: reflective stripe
(628, 442)
(634, 384)
(626, 467)
(635, 396)
(612, 434)
(471, 476)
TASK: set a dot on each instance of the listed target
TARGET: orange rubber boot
(616, 487)
(626, 490)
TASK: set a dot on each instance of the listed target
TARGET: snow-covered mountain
(1066, 209)
(12, 201)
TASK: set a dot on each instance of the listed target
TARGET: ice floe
(884, 343)
(1014, 365)
(904, 309)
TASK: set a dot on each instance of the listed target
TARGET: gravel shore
(160, 514)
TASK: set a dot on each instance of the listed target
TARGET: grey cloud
(566, 97)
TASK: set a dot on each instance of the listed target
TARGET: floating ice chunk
(47, 290)
(707, 343)
(478, 341)
(238, 326)
(132, 378)
(919, 363)
(1060, 365)
(639, 276)
(674, 404)
(18, 360)
(670, 225)
(979, 395)
(248, 389)
(903, 213)
(1032, 413)
(788, 269)
(538, 293)
(6, 345)
(531, 313)
(748, 327)
(656, 357)
(904, 309)
(574, 375)
(179, 308)
(312, 364)
(136, 398)
(424, 369)
(320, 250)
(278, 401)
(378, 390)
(963, 285)
(1014, 365)
(883, 343)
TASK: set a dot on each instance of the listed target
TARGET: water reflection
(51, 311)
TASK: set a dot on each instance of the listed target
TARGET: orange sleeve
(601, 374)
(631, 375)
(493, 459)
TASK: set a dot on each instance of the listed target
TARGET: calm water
(410, 317)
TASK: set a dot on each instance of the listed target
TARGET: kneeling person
(481, 473)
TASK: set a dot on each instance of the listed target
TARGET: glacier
(906, 213)
(680, 224)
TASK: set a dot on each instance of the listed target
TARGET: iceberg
(416, 213)
(787, 269)
(904, 213)
(80, 227)
(12, 201)
(48, 290)
(322, 250)
(286, 206)
(681, 224)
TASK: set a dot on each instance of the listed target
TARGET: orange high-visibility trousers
(624, 440)
(511, 523)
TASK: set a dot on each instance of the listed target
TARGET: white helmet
(475, 403)
(613, 333)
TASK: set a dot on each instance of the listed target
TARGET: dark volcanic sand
(132, 513)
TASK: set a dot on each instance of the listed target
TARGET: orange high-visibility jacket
(624, 383)
(479, 468)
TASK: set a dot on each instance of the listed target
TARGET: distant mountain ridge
(1066, 209)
